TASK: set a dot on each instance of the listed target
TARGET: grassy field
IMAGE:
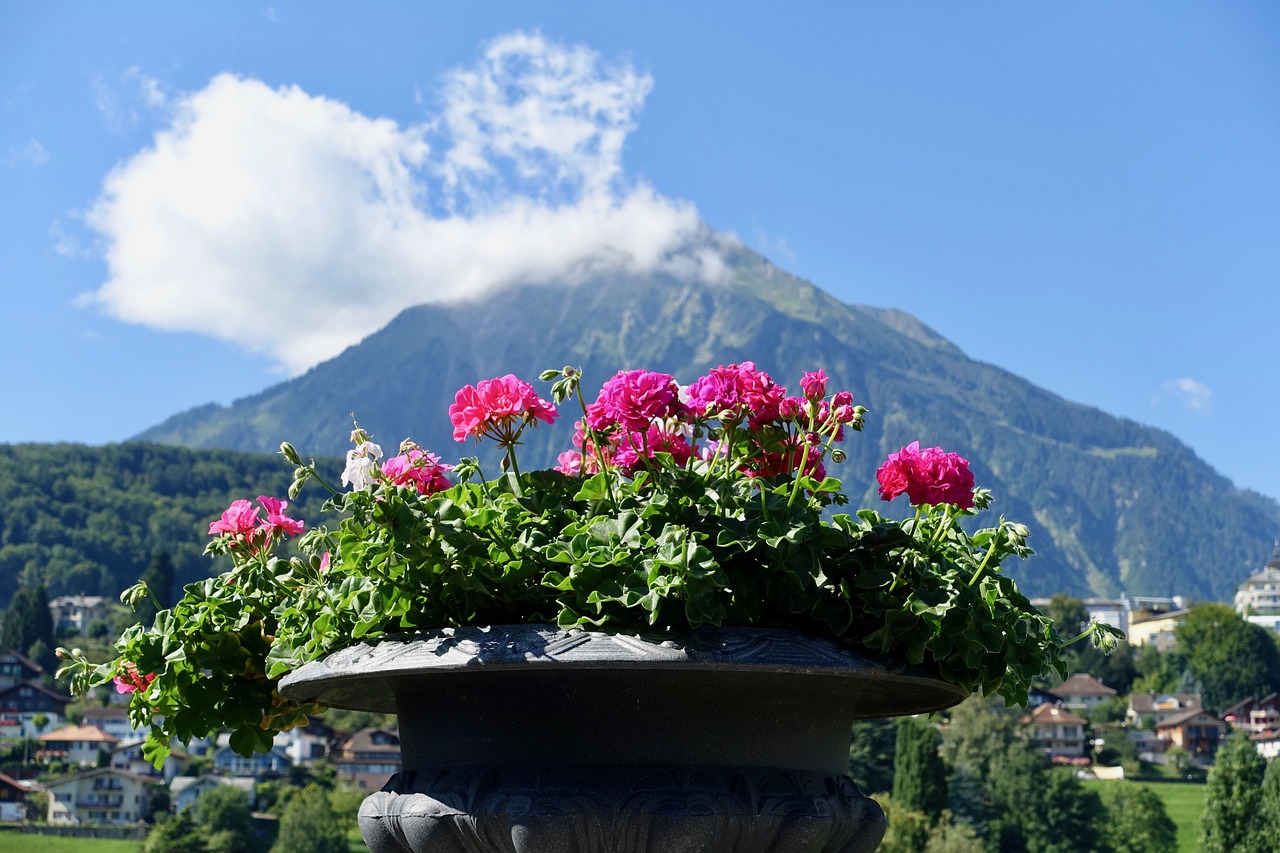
(1183, 802)
(18, 842)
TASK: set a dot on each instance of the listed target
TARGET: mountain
(1113, 505)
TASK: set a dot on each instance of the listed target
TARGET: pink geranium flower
(737, 391)
(239, 519)
(569, 463)
(633, 399)
(630, 450)
(418, 468)
(932, 476)
(498, 407)
(131, 680)
(814, 385)
(277, 521)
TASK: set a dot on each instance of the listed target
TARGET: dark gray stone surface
(527, 738)
(620, 810)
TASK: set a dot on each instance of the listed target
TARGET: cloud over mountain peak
(293, 225)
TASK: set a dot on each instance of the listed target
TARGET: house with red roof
(1197, 731)
(1056, 732)
(76, 744)
(1082, 691)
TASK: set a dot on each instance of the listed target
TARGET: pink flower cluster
(241, 522)
(497, 407)
(131, 680)
(418, 468)
(931, 476)
(735, 392)
(640, 413)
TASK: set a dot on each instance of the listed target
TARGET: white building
(76, 612)
(1123, 611)
(104, 795)
(1258, 598)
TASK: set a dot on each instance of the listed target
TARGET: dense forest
(87, 519)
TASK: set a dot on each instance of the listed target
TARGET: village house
(16, 668)
(1258, 597)
(184, 791)
(103, 795)
(1056, 732)
(28, 708)
(13, 799)
(76, 744)
(226, 760)
(1082, 691)
(1038, 696)
(74, 613)
(369, 758)
(1197, 731)
(1254, 715)
(304, 744)
(23, 698)
(127, 755)
(1267, 744)
(1156, 629)
(1147, 710)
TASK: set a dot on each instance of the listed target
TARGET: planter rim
(368, 675)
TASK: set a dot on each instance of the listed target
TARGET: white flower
(360, 461)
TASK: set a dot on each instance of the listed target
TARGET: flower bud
(286, 449)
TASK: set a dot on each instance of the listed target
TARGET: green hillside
(86, 519)
(1113, 505)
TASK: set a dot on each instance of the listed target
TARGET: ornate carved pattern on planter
(627, 810)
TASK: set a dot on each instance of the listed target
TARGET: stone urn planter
(530, 739)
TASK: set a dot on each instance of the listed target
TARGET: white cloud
(32, 153)
(122, 103)
(292, 225)
(1191, 394)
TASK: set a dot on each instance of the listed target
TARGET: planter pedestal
(529, 739)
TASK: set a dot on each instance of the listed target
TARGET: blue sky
(196, 202)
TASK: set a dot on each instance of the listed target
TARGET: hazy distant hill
(1113, 505)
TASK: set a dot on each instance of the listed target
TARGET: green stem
(1087, 632)
(323, 482)
(987, 558)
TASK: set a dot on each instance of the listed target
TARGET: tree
(1136, 820)
(871, 746)
(1232, 821)
(1160, 672)
(1179, 759)
(1232, 658)
(1039, 809)
(978, 732)
(309, 823)
(949, 837)
(27, 621)
(1271, 799)
(224, 818)
(159, 579)
(175, 834)
(919, 776)
(908, 830)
